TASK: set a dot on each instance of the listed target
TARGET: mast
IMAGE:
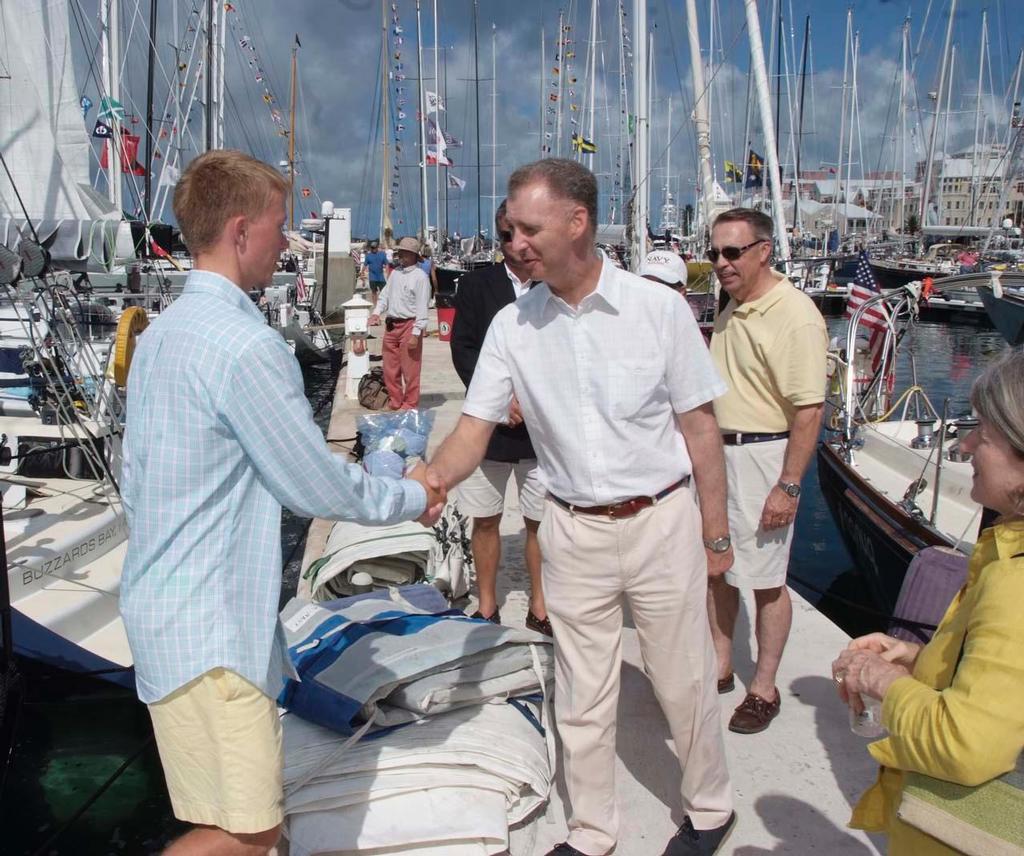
(561, 64)
(853, 107)
(977, 110)
(838, 189)
(926, 190)
(764, 104)
(903, 126)
(110, 34)
(437, 136)
(800, 124)
(150, 71)
(476, 84)
(494, 131)
(208, 71)
(593, 79)
(700, 115)
(291, 141)
(945, 130)
(219, 79)
(641, 188)
(385, 187)
(668, 155)
(424, 208)
(540, 118)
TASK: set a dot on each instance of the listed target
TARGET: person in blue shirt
(373, 263)
(219, 436)
(426, 265)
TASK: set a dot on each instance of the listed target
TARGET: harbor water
(77, 736)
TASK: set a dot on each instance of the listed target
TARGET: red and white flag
(875, 319)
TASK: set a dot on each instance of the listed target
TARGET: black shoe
(698, 842)
(494, 617)
(564, 849)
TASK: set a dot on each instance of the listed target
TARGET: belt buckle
(739, 438)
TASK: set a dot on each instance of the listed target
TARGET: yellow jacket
(969, 730)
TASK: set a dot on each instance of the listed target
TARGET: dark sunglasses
(730, 254)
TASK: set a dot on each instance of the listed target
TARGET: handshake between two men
(437, 492)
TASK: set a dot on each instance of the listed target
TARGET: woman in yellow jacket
(954, 708)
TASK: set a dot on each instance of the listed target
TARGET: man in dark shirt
(480, 295)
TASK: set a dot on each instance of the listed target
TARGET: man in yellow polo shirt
(769, 345)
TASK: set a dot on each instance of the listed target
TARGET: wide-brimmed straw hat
(410, 245)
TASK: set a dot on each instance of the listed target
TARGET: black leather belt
(741, 438)
(626, 508)
(389, 323)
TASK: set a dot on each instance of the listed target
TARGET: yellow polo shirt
(771, 353)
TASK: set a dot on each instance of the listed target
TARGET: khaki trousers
(656, 561)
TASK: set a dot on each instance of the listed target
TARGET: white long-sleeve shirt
(407, 295)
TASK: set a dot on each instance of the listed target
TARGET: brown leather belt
(626, 508)
(742, 438)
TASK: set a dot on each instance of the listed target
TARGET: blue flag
(86, 103)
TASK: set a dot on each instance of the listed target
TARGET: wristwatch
(790, 488)
(718, 545)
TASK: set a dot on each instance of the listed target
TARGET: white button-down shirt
(519, 286)
(599, 385)
(407, 295)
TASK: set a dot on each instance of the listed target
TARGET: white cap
(665, 265)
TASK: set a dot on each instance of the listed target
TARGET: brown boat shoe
(755, 714)
(538, 625)
(727, 684)
(494, 617)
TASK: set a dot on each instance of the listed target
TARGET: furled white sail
(44, 139)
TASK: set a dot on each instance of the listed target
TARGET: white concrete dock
(794, 783)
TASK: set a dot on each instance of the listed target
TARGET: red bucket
(445, 321)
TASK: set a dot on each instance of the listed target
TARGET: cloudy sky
(339, 134)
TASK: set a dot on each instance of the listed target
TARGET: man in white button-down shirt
(615, 385)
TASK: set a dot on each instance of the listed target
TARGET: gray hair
(565, 178)
(760, 223)
(998, 397)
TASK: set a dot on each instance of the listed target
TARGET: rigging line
(373, 138)
(893, 95)
(91, 74)
(260, 130)
(686, 123)
(307, 163)
(241, 123)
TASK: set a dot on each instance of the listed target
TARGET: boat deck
(794, 784)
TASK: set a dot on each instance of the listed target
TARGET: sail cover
(44, 140)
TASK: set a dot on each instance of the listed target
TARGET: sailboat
(890, 468)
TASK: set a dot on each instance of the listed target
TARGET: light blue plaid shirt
(219, 436)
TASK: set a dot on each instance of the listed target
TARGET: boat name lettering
(113, 532)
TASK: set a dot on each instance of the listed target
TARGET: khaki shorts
(220, 745)
(483, 493)
(762, 557)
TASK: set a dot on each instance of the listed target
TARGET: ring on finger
(839, 678)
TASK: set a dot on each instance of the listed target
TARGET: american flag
(300, 286)
(876, 319)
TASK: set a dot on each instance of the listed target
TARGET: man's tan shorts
(220, 745)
